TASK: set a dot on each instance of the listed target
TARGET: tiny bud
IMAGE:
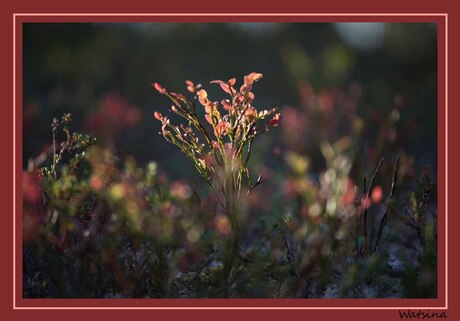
(263, 113)
(275, 120)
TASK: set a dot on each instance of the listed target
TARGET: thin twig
(373, 176)
(54, 152)
(260, 180)
(147, 258)
(366, 240)
(197, 274)
(368, 194)
(195, 192)
(385, 213)
(289, 253)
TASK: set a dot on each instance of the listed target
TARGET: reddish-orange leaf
(203, 97)
(202, 94)
(246, 87)
(217, 82)
(159, 88)
(222, 128)
(250, 79)
(191, 87)
(226, 104)
(158, 116)
(208, 118)
(210, 107)
(215, 144)
(256, 76)
(251, 112)
(225, 88)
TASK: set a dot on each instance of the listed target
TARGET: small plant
(73, 144)
(220, 147)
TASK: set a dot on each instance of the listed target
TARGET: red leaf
(203, 94)
(275, 120)
(217, 82)
(190, 86)
(246, 87)
(208, 118)
(31, 186)
(225, 87)
(226, 104)
(158, 116)
(203, 97)
(222, 128)
(159, 88)
(215, 144)
(255, 76)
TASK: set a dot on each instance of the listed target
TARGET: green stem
(234, 240)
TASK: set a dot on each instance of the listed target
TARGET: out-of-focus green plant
(92, 229)
(220, 158)
(421, 278)
(340, 222)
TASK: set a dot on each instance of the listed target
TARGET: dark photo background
(75, 67)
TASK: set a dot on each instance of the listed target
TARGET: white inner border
(445, 15)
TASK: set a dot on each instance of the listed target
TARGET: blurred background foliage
(129, 217)
(73, 67)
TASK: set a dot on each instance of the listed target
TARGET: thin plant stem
(390, 197)
(368, 194)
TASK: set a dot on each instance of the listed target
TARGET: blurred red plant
(33, 213)
(113, 115)
(324, 115)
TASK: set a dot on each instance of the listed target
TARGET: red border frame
(322, 307)
(236, 303)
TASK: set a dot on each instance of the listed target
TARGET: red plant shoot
(221, 155)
